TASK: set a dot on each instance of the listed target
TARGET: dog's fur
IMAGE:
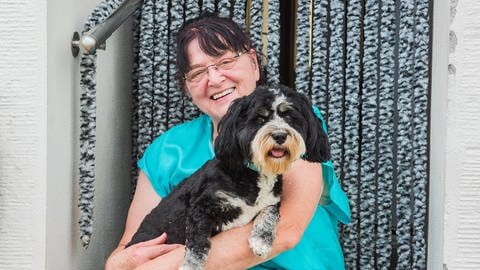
(259, 138)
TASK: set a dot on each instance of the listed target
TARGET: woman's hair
(215, 36)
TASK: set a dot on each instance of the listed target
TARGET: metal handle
(96, 38)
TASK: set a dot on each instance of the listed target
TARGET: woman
(217, 65)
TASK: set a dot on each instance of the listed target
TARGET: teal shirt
(183, 149)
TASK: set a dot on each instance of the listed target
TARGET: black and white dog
(258, 139)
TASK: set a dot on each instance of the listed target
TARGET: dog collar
(251, 166)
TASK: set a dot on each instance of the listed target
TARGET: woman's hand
(144, 200)
(138, 254)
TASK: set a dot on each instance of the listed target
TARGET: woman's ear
(187, 93)
(255, 63)
(184, 88)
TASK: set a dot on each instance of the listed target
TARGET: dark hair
(215, 36)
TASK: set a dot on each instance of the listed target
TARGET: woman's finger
(155, 241)
(158, 250)
(141, 255)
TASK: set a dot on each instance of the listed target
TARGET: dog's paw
(193, 261)
(259, 246)
(186, 267)
(189, 266)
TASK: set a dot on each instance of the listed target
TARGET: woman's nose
(214, 76)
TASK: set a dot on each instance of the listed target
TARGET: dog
(260, 136)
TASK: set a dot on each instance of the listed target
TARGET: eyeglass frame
(206, 68)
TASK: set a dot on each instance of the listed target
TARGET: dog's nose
(279, 137)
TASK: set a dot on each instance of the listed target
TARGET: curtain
(365, 64)
(88, 125)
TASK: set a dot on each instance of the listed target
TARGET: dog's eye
(286, 115)
(262, 116)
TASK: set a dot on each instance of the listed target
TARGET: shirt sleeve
(150, 165)
(333, 197)
(176, 154)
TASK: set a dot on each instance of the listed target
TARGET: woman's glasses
(198, 74)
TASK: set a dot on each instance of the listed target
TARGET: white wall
(112, 185)
(39, 112)
(462, 152)
(23, 95)
(438, 126)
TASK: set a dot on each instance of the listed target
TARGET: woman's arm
(302, 188)
(144, 200)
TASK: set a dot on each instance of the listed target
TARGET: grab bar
(96, 37)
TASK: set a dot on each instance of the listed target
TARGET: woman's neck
(214, 131)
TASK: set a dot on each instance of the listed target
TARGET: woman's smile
(222, 94)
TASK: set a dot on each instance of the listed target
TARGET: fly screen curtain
(88, 116)
(365, 64)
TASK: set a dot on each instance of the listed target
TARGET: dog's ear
(316, 141)
(227, 147)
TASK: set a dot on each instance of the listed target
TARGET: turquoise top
(183, 149)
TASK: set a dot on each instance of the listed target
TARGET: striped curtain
(365, 64)
(88, 125)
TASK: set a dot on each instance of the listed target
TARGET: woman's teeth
(222, 94)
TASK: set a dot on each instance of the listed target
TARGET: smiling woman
(210, 55)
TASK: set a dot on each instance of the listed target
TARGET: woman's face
(216, 89)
